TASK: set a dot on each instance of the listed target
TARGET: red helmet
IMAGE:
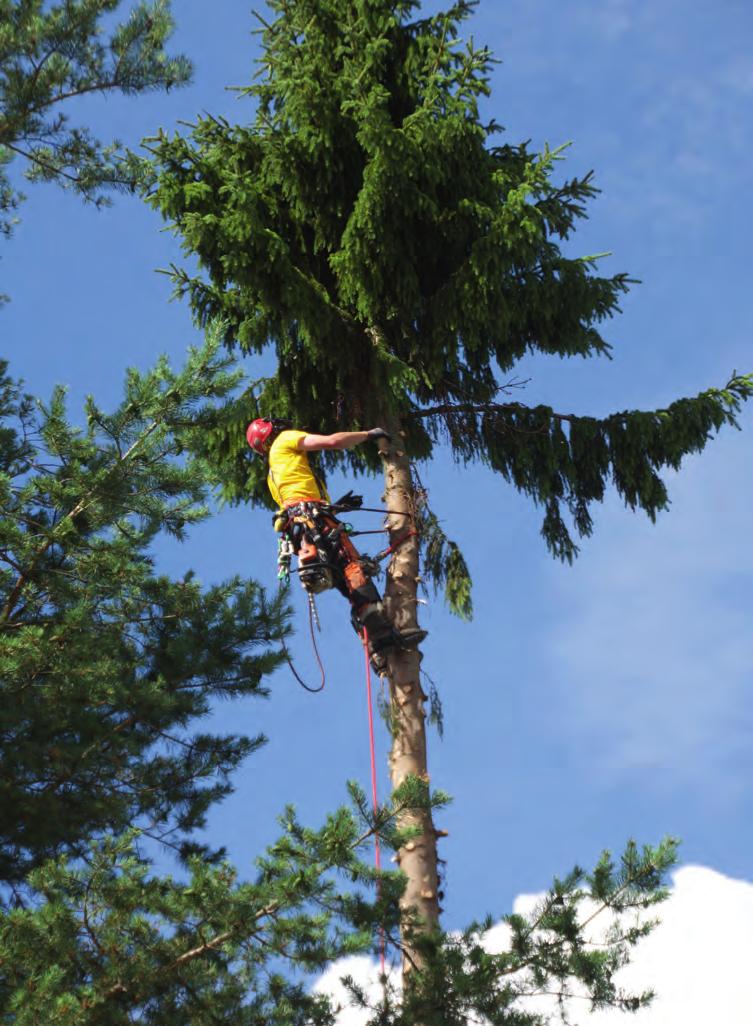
(258, 434)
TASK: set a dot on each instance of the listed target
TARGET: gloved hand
(349, 501)
(376, 433)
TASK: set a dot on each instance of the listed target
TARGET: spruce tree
(399, 257)
(52, 53)
(106, 664)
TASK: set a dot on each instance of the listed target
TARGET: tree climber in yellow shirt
(326, 555)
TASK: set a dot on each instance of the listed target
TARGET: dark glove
(349, 501)
(376, 433)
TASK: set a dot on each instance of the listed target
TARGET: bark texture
(408, 757)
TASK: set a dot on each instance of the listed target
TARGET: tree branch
(80, 506)
(42, 163)
(482, 408)
(102, 86)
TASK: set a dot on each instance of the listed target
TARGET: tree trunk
(418, 858)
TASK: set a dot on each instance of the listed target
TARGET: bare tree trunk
(418, 858)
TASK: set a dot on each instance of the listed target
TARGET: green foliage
(105, 664)
(365, 225)
(52, 53)
(105, 941)
(563, 460)
(444, 565)
(570, 946)
(399, 259)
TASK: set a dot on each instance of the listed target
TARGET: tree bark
(408, 757)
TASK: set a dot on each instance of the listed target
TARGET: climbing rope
(374, 798)
(313, 618)
(372, 744)
(395, 545)
(314, 621)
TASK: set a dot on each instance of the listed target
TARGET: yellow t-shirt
(290, 477)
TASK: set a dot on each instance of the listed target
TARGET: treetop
(400, 257)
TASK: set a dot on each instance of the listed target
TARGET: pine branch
(267, 912)
(79, 508)
(35, 159)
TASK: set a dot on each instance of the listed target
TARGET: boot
(409, 638)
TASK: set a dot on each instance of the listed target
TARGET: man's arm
(340, 439)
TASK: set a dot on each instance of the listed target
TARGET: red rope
(395, 545)
(374, 799)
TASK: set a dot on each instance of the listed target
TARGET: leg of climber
(366, 605)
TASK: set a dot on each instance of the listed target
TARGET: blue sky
(583, 705)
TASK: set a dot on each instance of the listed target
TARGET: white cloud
(697, 960)
(365, 972)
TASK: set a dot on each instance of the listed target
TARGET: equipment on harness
(314, 614)
(285, 553)
(328, 559)
(304, 533)
(311, 530)
(314, 571)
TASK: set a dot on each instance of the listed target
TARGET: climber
(326, 555)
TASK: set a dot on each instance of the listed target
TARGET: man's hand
(349, 501)
(376, 433)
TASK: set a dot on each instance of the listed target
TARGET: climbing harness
(307, 529)
(304, 531)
